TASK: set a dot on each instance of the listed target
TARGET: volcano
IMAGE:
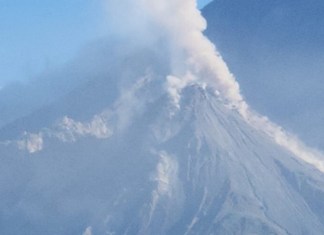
(144, 148)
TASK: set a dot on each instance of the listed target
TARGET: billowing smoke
(194, 59)
(193, 53)
(81, 180)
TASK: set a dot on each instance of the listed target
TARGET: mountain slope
(277, 59)
(161, 143)
(197, 170)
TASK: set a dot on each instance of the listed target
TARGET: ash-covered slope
(160, 143)
(275, 50)
(200, 169)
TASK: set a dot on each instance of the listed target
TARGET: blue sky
(37, 34)
(202, 3)
(40, 34)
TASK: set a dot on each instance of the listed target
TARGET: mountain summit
(153, 145)
(145, 166)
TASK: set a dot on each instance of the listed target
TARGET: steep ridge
(199, 169)
(153, 147)
(277, 59)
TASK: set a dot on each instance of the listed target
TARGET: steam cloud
(71, 130)
(31, 142)
(67, 130)
(195, 59)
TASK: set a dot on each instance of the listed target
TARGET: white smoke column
(183, 25)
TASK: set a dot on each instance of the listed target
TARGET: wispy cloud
(193, 54)
(67, 130)
(70, 130)
(31, 142)
(193, 59)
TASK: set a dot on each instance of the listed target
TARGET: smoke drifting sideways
(173, 29)
(194, 58)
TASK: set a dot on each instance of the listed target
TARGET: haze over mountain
(147, 133)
